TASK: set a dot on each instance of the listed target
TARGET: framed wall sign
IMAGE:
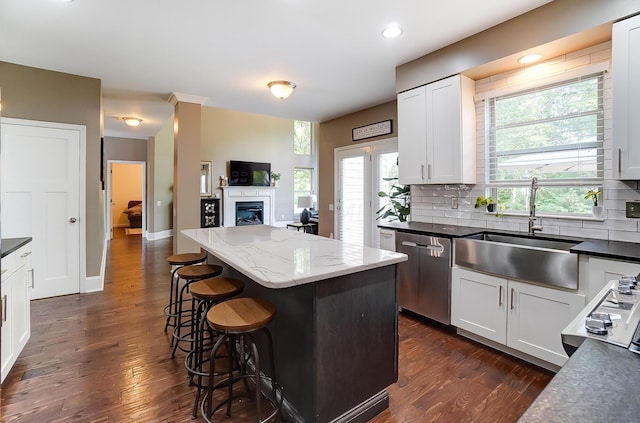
(369, 131)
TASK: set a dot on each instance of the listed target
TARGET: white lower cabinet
(601, 271)
(17, 276)
(528, 318)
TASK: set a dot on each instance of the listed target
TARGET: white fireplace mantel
(231, 195)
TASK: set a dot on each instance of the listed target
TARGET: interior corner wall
(232, 135)
(42, 95)
(337, 133)
(160, 178)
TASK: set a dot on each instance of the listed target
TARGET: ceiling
(227, 52)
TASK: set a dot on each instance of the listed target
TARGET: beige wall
(337, 133)
(38, 94)
(231, 135)
(553, 21)
(126, 185)
(160, 180)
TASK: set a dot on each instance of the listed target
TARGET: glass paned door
(352, 200)
(360, 174)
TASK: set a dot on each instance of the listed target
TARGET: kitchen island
(336, 326)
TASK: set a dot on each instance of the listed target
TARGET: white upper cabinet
(436, 133)
(412, 136)
(626, 98)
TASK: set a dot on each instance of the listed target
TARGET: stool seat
(213, 289)
(200, 271)
(184, 259)
(241, 315)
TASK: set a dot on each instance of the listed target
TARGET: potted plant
(275, 177)
(399, 205)
(596, 211)
(486, 202)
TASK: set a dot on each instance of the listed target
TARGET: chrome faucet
(532, 208)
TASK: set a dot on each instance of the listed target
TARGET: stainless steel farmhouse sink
(532, 259)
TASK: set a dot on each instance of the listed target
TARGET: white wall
(432, 203)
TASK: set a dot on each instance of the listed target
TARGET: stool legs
(177, 330)
(170, 310)
(231, 339)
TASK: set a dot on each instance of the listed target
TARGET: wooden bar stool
(189, 274)
(179, 260)
(206, 293)
(237, 320)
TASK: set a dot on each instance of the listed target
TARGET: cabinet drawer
(15, 260)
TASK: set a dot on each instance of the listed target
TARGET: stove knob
(596, 326)
(605, 317)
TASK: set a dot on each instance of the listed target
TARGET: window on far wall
(302, 185)
(553, 132)
(302, 137)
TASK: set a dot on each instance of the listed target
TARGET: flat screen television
(249, 173)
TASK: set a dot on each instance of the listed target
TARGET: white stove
(612, 316)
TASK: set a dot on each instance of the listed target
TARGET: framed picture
(374, 130)
(206, 181)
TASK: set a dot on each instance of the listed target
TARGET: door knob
(73, 220)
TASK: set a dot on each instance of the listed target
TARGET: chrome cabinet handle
(512, 292)
(429, 172)
(73, 220)
(25, 254)
(4, 270)
(619, 160)
(422, 172)
(4, 308)
(500, 297)
(33, 278)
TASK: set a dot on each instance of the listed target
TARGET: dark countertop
(598, 384)
(627, 251)
(9, 245)
(445, 231)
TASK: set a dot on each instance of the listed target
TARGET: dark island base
(336, 344)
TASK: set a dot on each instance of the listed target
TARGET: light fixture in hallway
(132, 121)
(281, 89)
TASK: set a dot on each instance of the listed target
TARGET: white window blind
(554, 132)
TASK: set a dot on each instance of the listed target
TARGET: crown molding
(176, 98)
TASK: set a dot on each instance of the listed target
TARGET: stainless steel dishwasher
(424, 281)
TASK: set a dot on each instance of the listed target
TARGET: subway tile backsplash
(432, 203)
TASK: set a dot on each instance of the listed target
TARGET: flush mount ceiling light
(392, 31)
(530, 58)
(132, 121)
(281, 89)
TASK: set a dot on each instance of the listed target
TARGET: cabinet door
(537, 317)
(21, 307)
(478, 304)
(412, 136)
(7, 353)
(626, 98)
(443, 131)
(601, 271)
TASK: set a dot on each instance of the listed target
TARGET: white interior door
(41, 199)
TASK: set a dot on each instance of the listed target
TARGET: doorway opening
(126, 193)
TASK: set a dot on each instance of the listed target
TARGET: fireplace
(249, 213)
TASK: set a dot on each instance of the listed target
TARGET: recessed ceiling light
(530, 58)
(392, 31)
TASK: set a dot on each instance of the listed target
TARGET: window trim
(491, 187)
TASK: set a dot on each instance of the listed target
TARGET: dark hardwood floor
(104, 357)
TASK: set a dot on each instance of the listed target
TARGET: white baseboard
(96, 283)
(153, 236)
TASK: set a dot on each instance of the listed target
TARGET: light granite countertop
(281, 258)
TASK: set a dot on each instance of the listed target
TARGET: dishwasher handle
(435, 248)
